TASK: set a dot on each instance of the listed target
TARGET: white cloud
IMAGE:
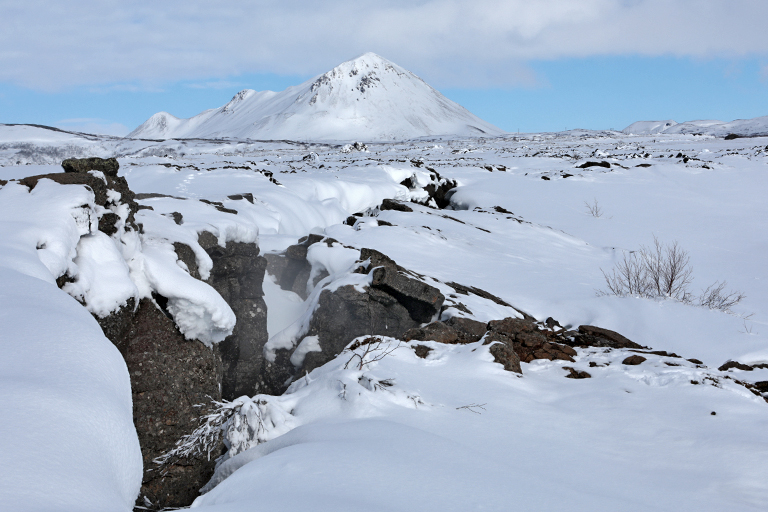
(55, 44)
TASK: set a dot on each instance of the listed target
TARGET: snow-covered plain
(452, 431)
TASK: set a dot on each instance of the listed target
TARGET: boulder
(634, 360)
(436, 331)
(576, 374)
(469, 330)
(530, 342)
(591, 336)
(109, 166)
(503, 351)
(391, 204)
(346, 313)
(420, 299)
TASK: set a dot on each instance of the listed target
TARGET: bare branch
(594, 209)
(472, 407)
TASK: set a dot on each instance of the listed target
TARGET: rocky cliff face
(173, 378)
(238, 275)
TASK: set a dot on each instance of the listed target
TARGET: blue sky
(106, 66)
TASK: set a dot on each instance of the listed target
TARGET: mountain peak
(365, 98)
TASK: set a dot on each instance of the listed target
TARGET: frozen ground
(630, 438)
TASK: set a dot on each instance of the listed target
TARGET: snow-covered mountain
(757, 126)
(367, 98)
(648, 127)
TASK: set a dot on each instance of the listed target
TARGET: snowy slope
(757, 126)
(648, 127)
(68, 440)
(454, 431)
(367, 98)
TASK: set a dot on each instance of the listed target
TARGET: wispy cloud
(50, 45)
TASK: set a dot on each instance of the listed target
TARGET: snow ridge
(366, 98)
(755, 127)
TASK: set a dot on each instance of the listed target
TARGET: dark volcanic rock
(169, 376)
(591, 336)
(109, 166)
(391, 204)
(375, 259)
(735, 364)
(420, 299)
(292, 270)
(347, 313)
(238, 274)
(585, 165)
(422, 351)
(98, 185)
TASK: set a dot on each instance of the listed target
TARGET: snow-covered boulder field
(437, 324)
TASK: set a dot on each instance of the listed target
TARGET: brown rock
(238, 276)
(436, 331)
(422, 351)
(469, 330)
(576, 374)
(633, 360)
(503, 352)
(512, 326)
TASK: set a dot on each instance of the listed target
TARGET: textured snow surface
(456, 432)
(68, 441)
(367, 98)
(449, 432)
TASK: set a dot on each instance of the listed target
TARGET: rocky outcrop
(171, 377)
(108, 166)
(238, 275)
(394, 303)
(591, 336)
(120, 194)
(530, 341)
(436, 193)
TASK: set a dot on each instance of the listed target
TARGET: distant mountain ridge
(755, 127)
(368, 98)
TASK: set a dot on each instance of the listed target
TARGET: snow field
(629, 438)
